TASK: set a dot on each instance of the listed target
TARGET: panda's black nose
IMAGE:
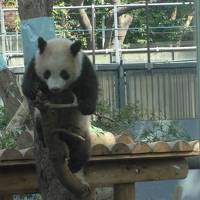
(55, 90)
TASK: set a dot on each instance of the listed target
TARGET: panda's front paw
(40, 101)
(85, 192)
(86, 108)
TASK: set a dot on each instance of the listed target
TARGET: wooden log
(160, 147)
(141, 147)
(28, 153)
(180, 145)
(124, 191)
(195, 145)
(10, 154)
(124, 138)
(105, 138)
(121, 148)
(112, 172)
(9, 92)
(25, 140)
(100, 149)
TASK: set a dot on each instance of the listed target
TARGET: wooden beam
(6, 197)
(129, 171)
(18, 179)
(22, 179)
(124, 191)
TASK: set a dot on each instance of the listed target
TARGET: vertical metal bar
(164, 94)
(147, 31)
(171, 98)
(3, 32)
(141, 95)
(117, 44)
(158, 88)
(93, 33)
(147, 94)
(103, 31)
(183, 100)
(152, 94)
(198, 56)
(177, 116)
(121, 86)
(189, 95)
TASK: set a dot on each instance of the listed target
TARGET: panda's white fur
(57, 53)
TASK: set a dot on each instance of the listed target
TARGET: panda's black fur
(84, 86)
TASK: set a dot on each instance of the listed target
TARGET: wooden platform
(119, 165)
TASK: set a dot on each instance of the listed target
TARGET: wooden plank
(124, 191)
(129, 171)
(18, 179)
(138, 156)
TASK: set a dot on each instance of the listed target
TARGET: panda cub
(58, 69)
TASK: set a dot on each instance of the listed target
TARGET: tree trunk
(187, 24)
(124, 21)
(50, 186)
(84, 20)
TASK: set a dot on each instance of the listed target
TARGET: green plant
(7, 140)
(164, 130)
(3, 118)
(116, 121)
(124, 120)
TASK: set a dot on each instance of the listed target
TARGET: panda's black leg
(38, 127)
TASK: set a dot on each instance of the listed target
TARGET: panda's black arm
(29, 82)
(87, 88)
(32, 84)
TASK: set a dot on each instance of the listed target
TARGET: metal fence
(11, 43)
(161, 79)
(167, 91)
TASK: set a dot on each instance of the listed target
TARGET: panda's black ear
(75, 47)
(41, 44)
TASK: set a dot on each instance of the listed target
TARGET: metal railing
(12, 43)
(148, 75)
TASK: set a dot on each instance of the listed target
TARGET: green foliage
(163, 28)
(124, 120)
(7, 140)
(9, 3)
(116, 121)
(3, 118)
(164, 131)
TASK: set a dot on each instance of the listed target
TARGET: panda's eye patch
(64, 75)
(47, 74)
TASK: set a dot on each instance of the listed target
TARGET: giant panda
(58, 69)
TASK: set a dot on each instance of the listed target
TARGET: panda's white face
(56, 65)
